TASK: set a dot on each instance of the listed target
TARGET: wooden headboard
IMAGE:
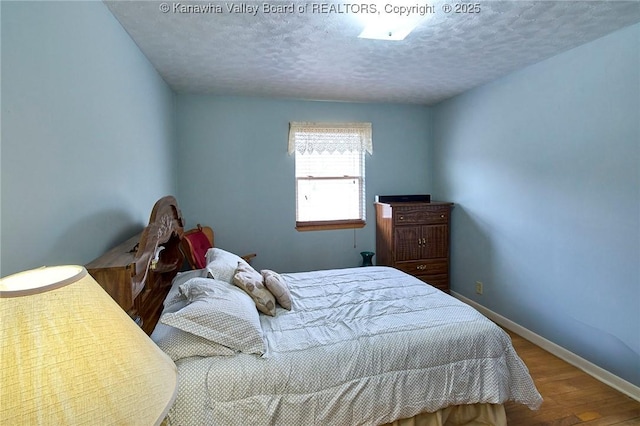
(159, 246)
(138, 273)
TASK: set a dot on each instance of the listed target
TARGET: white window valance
(306, 137)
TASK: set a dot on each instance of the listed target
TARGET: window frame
(317, 225)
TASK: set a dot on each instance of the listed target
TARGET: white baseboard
(588, 367)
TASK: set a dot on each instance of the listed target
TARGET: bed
(356, 346)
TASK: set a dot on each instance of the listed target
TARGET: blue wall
(87, 134)
(544, 168)
(235, 174)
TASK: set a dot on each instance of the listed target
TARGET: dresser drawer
(424, 267)
(420, 215)
(117, 282)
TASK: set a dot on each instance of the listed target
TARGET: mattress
(360, 346)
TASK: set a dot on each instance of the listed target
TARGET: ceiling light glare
(394, 20)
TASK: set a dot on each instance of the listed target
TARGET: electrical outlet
(478, 287)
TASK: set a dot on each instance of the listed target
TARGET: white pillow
(222, 264)
(174, 296)
(179, 344)
(221, 313)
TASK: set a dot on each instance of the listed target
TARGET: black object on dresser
(414, 198)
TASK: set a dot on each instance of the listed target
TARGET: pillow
(222, 264)
(278, 287)
(219, 312)
(250, 281)
(179, 344)
(174, 296)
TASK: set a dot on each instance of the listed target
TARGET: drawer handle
(442, 216)
(401, 218)
(421, 267)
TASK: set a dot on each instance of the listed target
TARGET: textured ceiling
(315, 52)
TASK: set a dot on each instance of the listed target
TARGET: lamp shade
(70, 355)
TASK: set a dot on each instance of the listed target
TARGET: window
(329, 173)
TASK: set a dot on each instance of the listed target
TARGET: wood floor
(571, 397)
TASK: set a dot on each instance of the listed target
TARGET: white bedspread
(360, 346)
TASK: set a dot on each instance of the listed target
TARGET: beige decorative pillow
(278, 287)
(250, 281)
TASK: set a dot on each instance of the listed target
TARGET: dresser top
(120, 256)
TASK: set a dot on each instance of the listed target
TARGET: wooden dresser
(414, 237)
(138, 273)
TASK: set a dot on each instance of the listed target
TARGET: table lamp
(71, 356)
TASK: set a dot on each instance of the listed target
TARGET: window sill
(329, 224)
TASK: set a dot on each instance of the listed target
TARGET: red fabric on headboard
(199, 246)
